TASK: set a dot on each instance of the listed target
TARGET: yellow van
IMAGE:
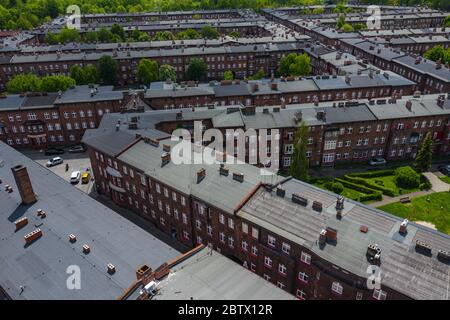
(85, 177)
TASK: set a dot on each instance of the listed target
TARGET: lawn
(433, 208)
(445, 179)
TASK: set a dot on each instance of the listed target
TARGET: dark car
(445, 169)
(77, 149)
(53, 151)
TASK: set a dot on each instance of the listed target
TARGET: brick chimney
(24, 184)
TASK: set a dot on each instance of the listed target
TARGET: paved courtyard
(77, 162)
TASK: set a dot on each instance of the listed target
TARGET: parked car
(85, 177)
(75, 177)
(54, 161)
(77, 149)
(377, 161)
(445, 169)
(53, 151)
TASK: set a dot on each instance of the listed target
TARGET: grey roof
(425, 66)
(385, 53)
(209, 275)
(41, 266)
(220, 191)
(403, 269)
(426, 106)
(83, 94)
(241, 89)
(11, 102)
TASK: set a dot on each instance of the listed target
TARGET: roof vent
(238, 176)
(423, 247)
(281, 192)
(266, 111)
(166, 148)
(179, 115)
(165, 159)
(201, 175)
(408, 105)
(404, 227)
(72, 238)
(443, 256)
(317, 206)
(296, 198)
(298, 116)
(111, 268)
(33, 236)
(373, 253)
(86, 249)
(223, 171)
(22, 222)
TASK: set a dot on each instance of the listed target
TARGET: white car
(54, 161)
(75, 177)
(377, 162)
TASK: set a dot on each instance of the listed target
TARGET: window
(209, 230)
(337, 287)
(230, 223)
(222, 237)
(166, 192)
(244, 227)
(221, 218)
(255, 233)
(379, 294)
(174, 196)
(186, 235)
(183, 200)
(282, 269)
(231, 242)
(184, 218)
(198, 224)
(286, 248)
(268, 262)
(301, 294)
(271, 241)
(255, 251)
(359, 295)
(306, 258)
(244, 245)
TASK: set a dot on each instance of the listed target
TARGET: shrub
(407, 178)
(337, 187)
(379, 182)
(355, 186)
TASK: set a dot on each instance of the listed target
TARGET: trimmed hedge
(374, 174)
(375, 196)
(363, 182)
(355, 186)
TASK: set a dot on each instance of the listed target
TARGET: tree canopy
(147, 71)
(295, 65)
(196, 69)
(32, 83)
(107, 69)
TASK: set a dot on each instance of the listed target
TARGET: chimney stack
(24, 184)
(404, 227)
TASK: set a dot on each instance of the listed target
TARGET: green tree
(167, 72)
(258, 75)
(438, 53)
(105, 35)
(56, 83)
(188, 34)
(67, 35)
(295, 65)
(108, 69)
(24, 83)
(300, 163)
(91, 37)
(90, 74)
(118, 31)
(340, 22)
(228, 75)
(209, 32)
(51, 38)
(147, 71)
(234, 34)
(163, 36)
(406, 177)
(424, 156)
(446, 22)
(347, 27)
(76, 73)
(196, 69)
